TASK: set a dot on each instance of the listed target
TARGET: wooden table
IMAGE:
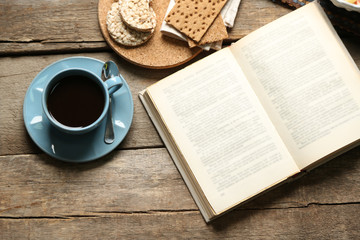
(136, 191)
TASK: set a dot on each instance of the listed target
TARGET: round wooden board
(159, 51)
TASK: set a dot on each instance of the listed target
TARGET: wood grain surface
(139, 194)
(136, 192)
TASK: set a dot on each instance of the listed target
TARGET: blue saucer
(75, 148)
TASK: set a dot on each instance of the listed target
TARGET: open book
(244, 119)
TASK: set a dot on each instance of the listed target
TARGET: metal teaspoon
(109, 70)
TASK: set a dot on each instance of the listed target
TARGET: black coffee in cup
(76, 101)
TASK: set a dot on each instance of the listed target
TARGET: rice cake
(138, 15)
(120, 32)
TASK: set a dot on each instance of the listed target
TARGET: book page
(231, 148)
(307, 82)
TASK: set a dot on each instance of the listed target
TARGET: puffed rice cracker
(138, 14)
(122, 33)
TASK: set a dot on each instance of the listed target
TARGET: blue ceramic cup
(76, 101)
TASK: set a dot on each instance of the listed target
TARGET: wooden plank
(146, 180)
(124, 181)
(24, 48)
(53, 26)
(38, 26)
(313, 222)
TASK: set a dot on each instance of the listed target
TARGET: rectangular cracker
(216, 32)
(194, 17)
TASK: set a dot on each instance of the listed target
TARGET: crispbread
(216, 32)
(194, 17)
(138, 15)
(122, 33)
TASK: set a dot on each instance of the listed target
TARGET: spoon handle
(109, 131)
